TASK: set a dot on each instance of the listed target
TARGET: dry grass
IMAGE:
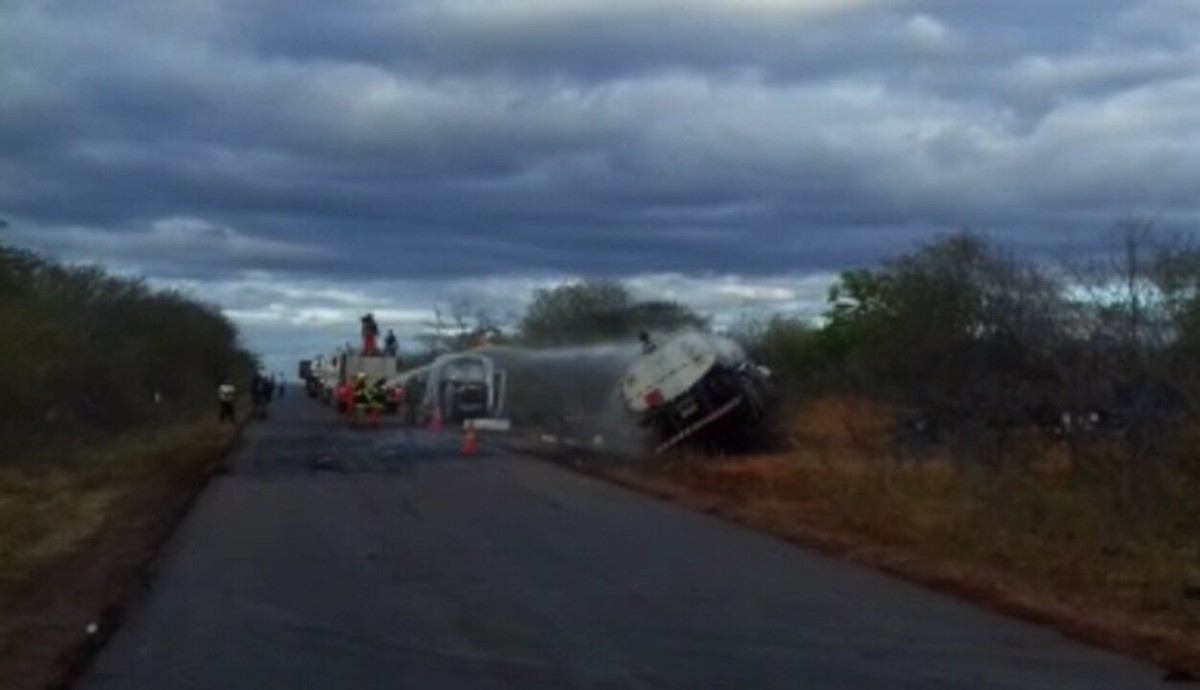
(49, 509)
(76, 533)
(1046, 533)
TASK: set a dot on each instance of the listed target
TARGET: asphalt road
(336, 559)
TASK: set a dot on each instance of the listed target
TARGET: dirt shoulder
(830, 514)
(79, 541)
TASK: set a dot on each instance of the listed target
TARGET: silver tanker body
(694, 385)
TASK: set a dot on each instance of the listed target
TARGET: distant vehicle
(683, 386)
(323, 379)
(308, 375)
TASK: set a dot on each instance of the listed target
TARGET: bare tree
(459, 325)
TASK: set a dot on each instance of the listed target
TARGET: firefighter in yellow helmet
(360, 389)
(378, 399)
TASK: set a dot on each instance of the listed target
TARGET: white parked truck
(324, 379)
(348, 364)
(313, 372)
(375, 367)
(683, 385)
(458, 387)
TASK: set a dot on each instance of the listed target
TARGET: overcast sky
(298, 161)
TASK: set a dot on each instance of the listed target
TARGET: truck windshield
(465, 370)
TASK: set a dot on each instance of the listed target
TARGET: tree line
(577, 313)
(970, 343)
(978, 347)
(86, 356)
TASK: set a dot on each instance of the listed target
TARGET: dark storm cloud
(445, 140)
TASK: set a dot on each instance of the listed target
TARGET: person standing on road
(226, 394)
(260, 395)
(412, 393)
(390, 344)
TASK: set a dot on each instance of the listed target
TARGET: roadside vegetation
(86, 356)
(109, 426)
(1023, 431)
(97, 373)
(1061, 399)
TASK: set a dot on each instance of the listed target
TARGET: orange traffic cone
(470, 444)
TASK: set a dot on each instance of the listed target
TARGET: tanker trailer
(697, 386)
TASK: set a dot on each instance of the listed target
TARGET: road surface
(333, 559)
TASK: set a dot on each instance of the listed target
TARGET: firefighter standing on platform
(370, 335)
(391, 346)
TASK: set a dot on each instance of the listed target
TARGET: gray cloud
(443, 141)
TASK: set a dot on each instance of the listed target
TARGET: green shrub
(86, 356)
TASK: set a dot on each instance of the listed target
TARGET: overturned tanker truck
(696, 387)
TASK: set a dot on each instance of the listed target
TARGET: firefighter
(360, 394)
(226, 394)
(377, 398)
(398, 392)
(345, 399)
(370, 335)
(360, 388)
(260, 395)
(390, 345)
(409, 397)
(648, 345)
(356, 397)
